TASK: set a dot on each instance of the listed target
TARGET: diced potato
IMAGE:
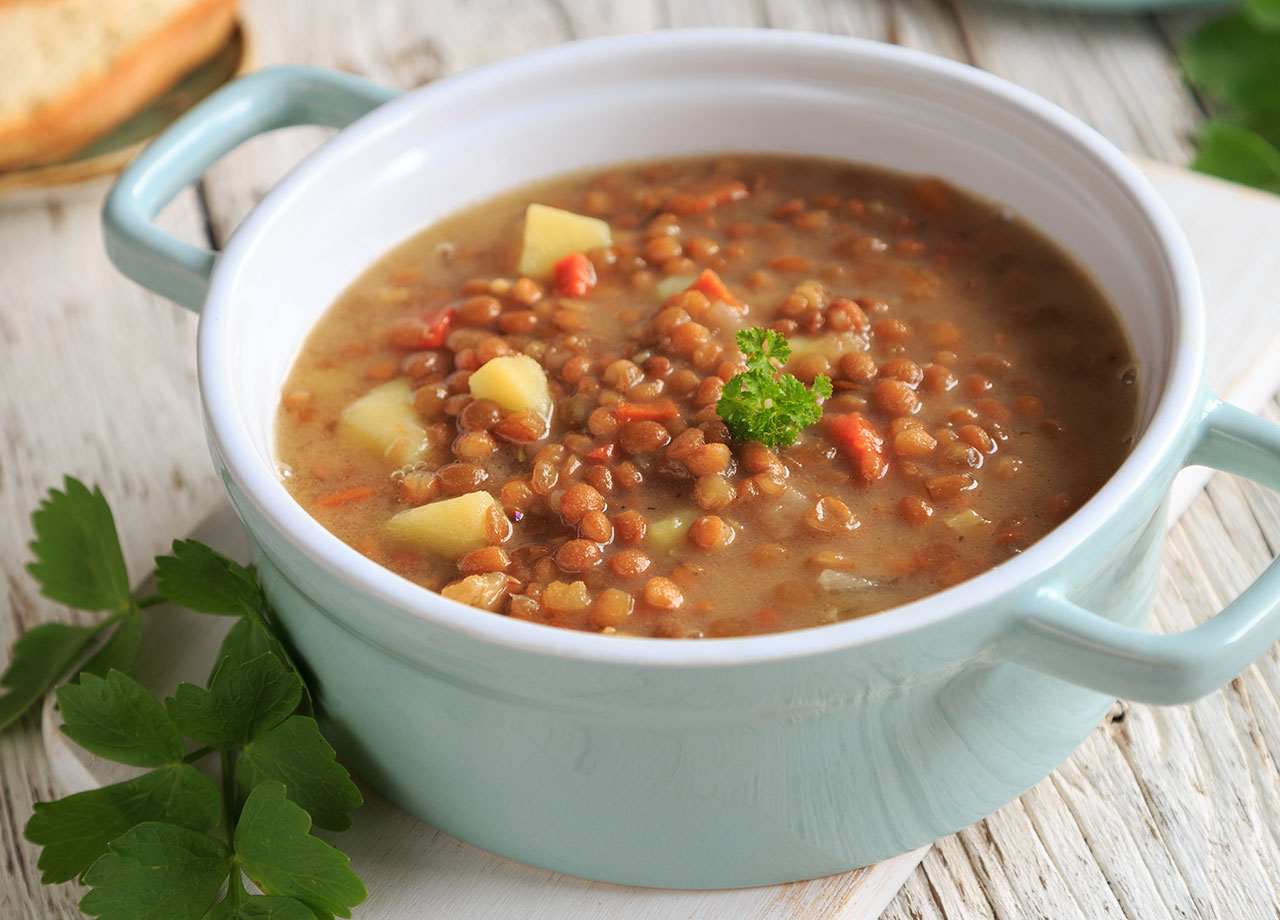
(385, 422)
(666, 533)
(672, 285)
(567, 598)
(514, 382)
(550, 234)
(451, 528)
(967, 522)
(484, 591)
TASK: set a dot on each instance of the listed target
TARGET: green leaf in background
(40, 658)
(118, 719)
(157, 872)
(121, 649)
(204, 580)
(1232, 152)
(276, 850)
(296, 754)
(1235, 61)
(74, 831)
(260, 907)
(243, 701)
(1266, 13)
(77, 553)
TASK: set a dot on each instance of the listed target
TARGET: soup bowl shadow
(717, 762)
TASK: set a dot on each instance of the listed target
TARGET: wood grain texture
(1162, 813)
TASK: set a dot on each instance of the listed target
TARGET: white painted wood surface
(1162, 813)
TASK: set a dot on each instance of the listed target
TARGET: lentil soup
(518, 407)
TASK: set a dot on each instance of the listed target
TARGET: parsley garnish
(1235, 61)
(762, 405)
(170, 843)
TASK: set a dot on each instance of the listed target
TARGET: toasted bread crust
(99, 102)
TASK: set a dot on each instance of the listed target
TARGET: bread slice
(71, 70)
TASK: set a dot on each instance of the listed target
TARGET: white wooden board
(415, 871)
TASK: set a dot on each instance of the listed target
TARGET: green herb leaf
(1234, 60)
(276, 850)
(40, 659)
(78, 561)
(204, 580)
(1238, 154)
(121, 649)
(260, 907)
(246, 641)
(118, 719)
(762, 405)
(1266, 13)
(157, 872)
(296, 754)
(74, 831)
(244, 700)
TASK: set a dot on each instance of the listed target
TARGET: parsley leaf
(246, 640)
(41, 657)
(276, 850)
(260, 907)
(244, 700)
(1265, 13)
(157, 871)
(121, 649)
(78, 561)
(118, 719)
(1233, 152)
(202, 579)
(761, 405)
(296, 754)
(75, 830)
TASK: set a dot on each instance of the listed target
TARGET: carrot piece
(658, 411)
(344, 497)
(574, 275)
(604, 453)
(859, 439)
(709, 283)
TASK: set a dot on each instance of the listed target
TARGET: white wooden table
(1163, 813)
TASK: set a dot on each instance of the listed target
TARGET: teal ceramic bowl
(716, 762)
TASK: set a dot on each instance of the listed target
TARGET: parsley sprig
(762, 404)
(173, 844)
(1235, 61)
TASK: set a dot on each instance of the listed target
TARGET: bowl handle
(1057, 637)
(277, 97)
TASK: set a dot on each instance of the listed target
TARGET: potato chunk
(451, 528)
(513, 382)
(385, 422)
(550, 234)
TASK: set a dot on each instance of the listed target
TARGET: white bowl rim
(261, 484)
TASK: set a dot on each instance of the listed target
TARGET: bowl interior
(463, 140)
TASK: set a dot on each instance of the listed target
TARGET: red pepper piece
(709, 283)
(604, 453)
(574, 276)
(657, 411)
(436, 325)
(860, 441)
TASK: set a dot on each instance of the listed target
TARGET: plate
(109, 154)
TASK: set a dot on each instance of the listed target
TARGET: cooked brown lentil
(974, 407)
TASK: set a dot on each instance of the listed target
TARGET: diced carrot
(658, 411)
(573, 276)
(859, 439)
(344, 497)
(604, 453)
(709, 283)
